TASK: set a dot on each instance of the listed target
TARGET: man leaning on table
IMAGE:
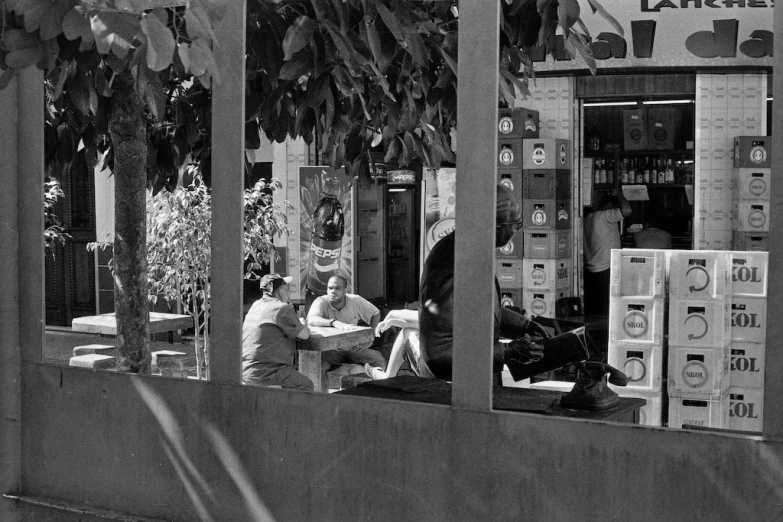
(269, 336)
(342, 310)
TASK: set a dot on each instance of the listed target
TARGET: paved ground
(59, 343)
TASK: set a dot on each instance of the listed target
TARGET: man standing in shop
(342, 310)
(602, 234)
(436, 298)
(269, 336)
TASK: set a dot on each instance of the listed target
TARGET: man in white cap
(269, 336)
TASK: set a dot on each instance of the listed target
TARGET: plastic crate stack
(637, 309)
(514, 125)
(700, 301)
(541, 178)
(751, 191)
(748, 340)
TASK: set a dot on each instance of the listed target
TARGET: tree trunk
(128, 133)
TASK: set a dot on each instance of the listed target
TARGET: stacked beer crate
(540, 174)
(751, 191)
(637, 309)
(514, 126)
(700, 299)
(748, 340)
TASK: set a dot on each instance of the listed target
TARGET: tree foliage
(349, 75)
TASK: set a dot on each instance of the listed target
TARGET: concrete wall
(89, 438)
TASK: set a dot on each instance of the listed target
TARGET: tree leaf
(22, 58)
(297, 36)
(391, 22)
(198, 23)
(114, 31)
(160, 43)
(183, 49)
(16, 39)
(52, 19)
(567, 13)
(609, 18)
(416, 47)
(451, 62)
(297, 66)
(373, 40)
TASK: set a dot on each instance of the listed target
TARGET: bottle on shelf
(646, 169)
(597, 163)
(669, 172)
(610, 172)
(639, 172)
(624, 171)
(661, 172)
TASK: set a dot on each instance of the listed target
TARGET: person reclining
(436, 296)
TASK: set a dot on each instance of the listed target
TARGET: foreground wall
(90, 439)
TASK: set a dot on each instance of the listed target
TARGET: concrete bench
(353, 380)
(102, 349)
(95, 361)
(172, 363)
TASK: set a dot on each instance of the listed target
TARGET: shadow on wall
(201, 495)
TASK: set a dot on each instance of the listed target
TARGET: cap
(271, 282)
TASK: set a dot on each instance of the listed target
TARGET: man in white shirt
(342, 310)
(602, 234)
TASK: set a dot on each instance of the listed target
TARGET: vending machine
(387, 235)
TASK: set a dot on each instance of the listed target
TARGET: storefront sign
(672, 33)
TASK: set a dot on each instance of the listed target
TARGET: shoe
(374, 372)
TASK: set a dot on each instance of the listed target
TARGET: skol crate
(509, 273)
(752, 151)
(543, 153)
(546, 214)
(641, 363)
(701, 274)
(698, 371)
(514, 249)
(546, 274)
(547, 244)
(510, 153)
(662, 126)
(746, 365)
(651, 413)
(546, 184)
(749, 319)
(509, 297)
(711, 411)
(746, 409)
(541, 302)
(636, 319)
(749, 273)
(751, 184)
(638, 272)
(751, 241)
(518, 122)
(635, 129)
(512, 178)
(751, 216)
(702, 323)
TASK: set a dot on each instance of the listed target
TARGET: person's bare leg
(395, 358)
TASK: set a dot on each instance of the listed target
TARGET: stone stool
(172, 364)
(103, 349)
(335, 375)
(95, 361)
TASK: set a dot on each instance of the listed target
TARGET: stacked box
(751, 183)
(699, 334)
(518, 122)
(749, 278)
(636, 326)
(546, 196)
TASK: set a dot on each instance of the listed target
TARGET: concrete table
(328, 338)
(106, 324)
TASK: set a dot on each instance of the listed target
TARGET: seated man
(269, 336)
(652, 236)
(344, 311)
(436, 296)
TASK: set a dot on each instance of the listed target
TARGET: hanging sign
(668, 33)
